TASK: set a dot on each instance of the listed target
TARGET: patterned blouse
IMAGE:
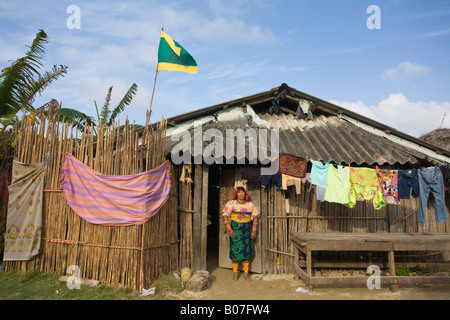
(240, 212)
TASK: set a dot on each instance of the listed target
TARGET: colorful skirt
(241, 245)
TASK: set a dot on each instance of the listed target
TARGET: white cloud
(406, 70)
(414, 118)
(440, 33)
(237, 7)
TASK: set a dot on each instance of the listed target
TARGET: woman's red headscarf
(247, 196)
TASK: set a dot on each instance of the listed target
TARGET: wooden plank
(349, 245)
(263, 233)
(381, 264)
(296, 261)
(391, 262)
(308, 262)
(254, 189)
(198, 183)
(204, 217)
(338, 282)
(302, 274)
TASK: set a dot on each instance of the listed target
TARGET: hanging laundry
(287, 181)
(293, 165)
(306, 181)
(364, 184)
(319, 173)
(250, 173)
(304, 108)
(24, 219)
(318, 176)
(320, 193)
(430, 179)
(446, 176)
(245, 174)
(114, 200)
(408, 184)
(389, 184)
(338, 184)
(277, 178)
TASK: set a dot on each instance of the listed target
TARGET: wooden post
(392, 273)
(197, 228)
(309, 265)
(204, 217)
(296, 261)
(264, 229)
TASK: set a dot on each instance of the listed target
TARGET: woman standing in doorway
(241, 221)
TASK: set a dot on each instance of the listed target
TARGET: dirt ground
(284, 287)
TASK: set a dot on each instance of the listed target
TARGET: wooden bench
(306, 243)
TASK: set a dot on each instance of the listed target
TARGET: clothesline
(347, 184)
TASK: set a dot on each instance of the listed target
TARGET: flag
(172, 56)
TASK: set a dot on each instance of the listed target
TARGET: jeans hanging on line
(408, 184)
(430, 179)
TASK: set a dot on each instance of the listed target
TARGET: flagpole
(153, 92)
(154, 84)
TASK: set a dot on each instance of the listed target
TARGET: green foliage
(46, 286)
(106, 117)
(22, 81)
(402, 272)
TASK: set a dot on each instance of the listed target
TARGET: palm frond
(126, 100)
(36, 87)
(75, 117)
(17, 78)
(104, 114)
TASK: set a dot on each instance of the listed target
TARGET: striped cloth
(114, 200)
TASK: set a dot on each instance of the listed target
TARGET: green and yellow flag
(172, 56)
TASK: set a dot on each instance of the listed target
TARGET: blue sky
(398, 75)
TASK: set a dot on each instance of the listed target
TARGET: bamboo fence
(132, 256)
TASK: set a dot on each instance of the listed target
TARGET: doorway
(214, 213)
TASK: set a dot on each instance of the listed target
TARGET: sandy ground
(283, 287)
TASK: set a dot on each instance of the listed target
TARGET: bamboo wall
(133, 255)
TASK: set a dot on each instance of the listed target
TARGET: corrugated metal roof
(323, 138)
(330, 138)
(362, 141)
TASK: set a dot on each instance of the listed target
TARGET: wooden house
(323, 132)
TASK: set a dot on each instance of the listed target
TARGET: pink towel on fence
(114, 200)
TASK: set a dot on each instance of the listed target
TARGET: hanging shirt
(364, 184)
(445, 170)
(389, 184)
(291, 181)
(277, 178)
(338, 185)
(319, 172)
(293, 165)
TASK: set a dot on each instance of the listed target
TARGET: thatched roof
(438, 137)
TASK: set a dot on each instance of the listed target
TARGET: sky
(388, 60)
